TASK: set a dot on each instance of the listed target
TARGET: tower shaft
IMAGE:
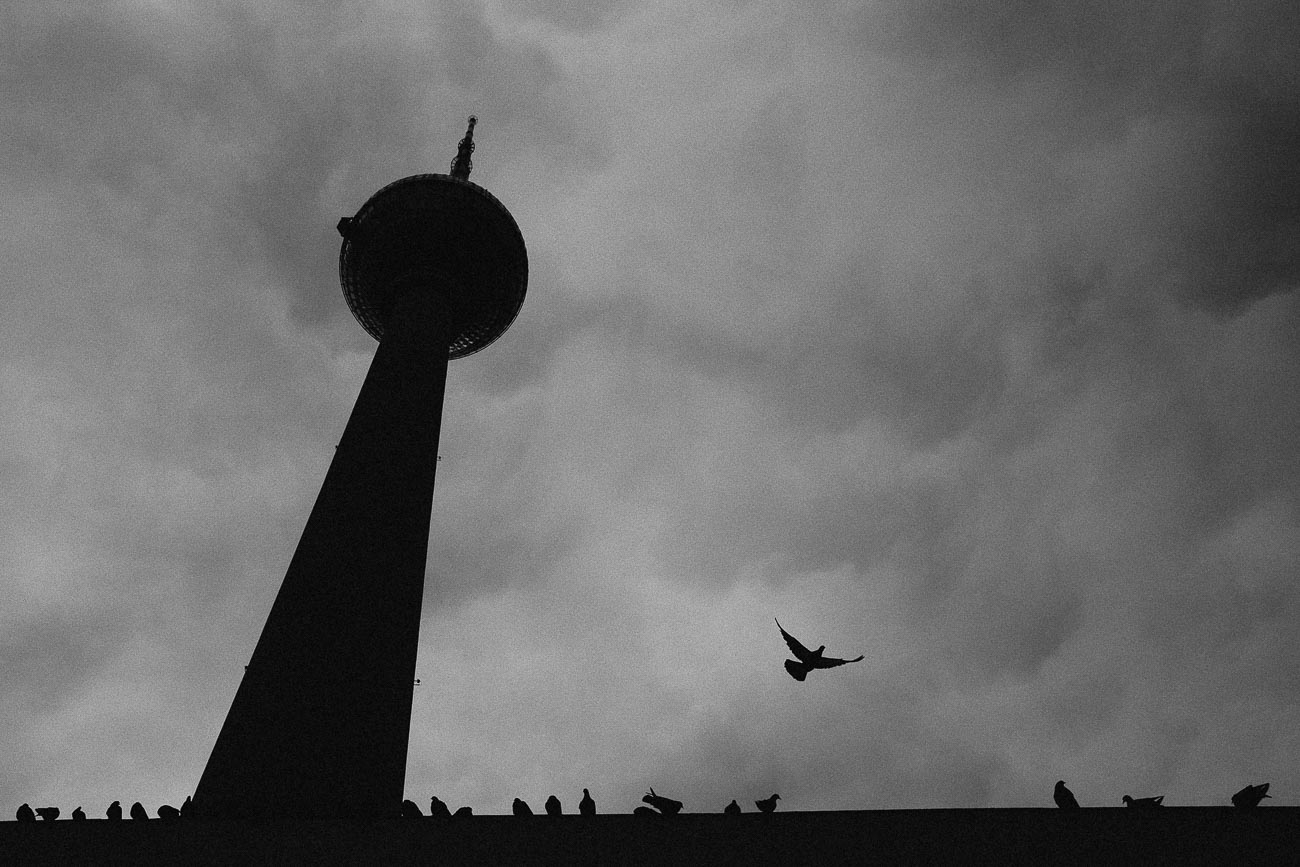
(321, 720)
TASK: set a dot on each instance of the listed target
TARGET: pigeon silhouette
(167, 811)
(138, 811)
(48, 814)
(645, 811)
(1143, 803)
(410, 810)
(1064, 797)
(78, 815)
(519, 808)
(26, 813)
(438, 809)
(587, 806)
(187, 806)
(114, 810)
(464, 811)
(732, 809)
(1251, 796)
(808, 659)
(667, 806)
(767, 805)
(552, 806)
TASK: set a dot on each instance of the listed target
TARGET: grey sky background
(964, 339)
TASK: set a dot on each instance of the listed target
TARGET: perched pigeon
(732, 809)
(49, 814)
(438, 809)
(114, 810)
(26, 814)
(410, 810)
(187, 807)
(1251, 796)
(1143, 803)
(808, 659)
(520, 808)
(553, 806)
(78, 815)
(667, 806)
(168, 812)
(1064, 797)
(587, 806)
(138, 811)
(464, 811)
(645, 811)
(767, 805)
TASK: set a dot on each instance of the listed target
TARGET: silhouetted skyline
(964, 341)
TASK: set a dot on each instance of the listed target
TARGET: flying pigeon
(1064, 797)
(78, 815)
(732, 809)
(667, 806)
(463, 811)
(49, 814)
(167, 811)
(553, 806)
(808, 659)
(1251, 796)
(587, 806)
(438, 809)
(138, 811)
(26, 814)
(410, 810)
(520, 808)
(767, 805)
(114, 810)
(1143, 803)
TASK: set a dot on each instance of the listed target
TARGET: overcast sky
(962, 336)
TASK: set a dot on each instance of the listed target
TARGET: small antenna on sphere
(461, 166)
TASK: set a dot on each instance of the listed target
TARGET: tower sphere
(436, 233)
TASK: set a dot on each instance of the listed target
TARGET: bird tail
(797, 670)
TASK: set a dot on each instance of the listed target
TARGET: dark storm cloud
(1188, 108)
(282, 128)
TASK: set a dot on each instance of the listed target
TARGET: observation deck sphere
(436, 233)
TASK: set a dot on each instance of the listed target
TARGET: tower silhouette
(433, 267)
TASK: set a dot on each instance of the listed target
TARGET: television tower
(434, 268)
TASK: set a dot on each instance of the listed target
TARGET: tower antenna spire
(461, 166)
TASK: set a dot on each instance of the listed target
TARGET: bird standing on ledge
(1251, 796)
(1143, 803)
(767, 805)
(1064, 797)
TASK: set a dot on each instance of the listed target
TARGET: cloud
(962, 339)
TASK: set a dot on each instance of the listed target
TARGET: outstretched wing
(831, 663)
(801, 653)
